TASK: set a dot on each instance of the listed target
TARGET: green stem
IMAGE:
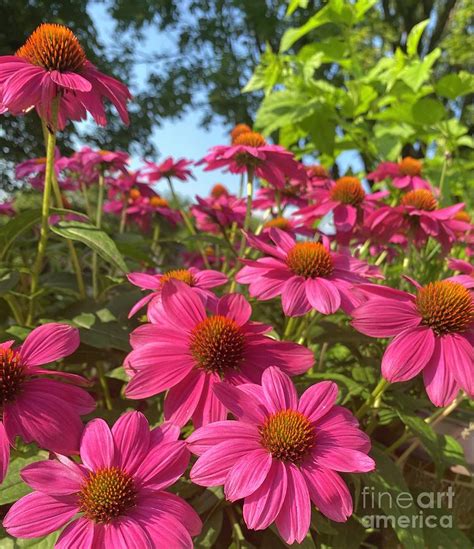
(376, 393)
(98, 224)
(248, 212)
(43, 240)
(248, 217)
(289, 327)
(123, 217)
(156, 237)
(443, 175)
(188, 223)
(87, 203)
(381, 257)
(238, 535)
(105, 386)
(70, 244)
(13, 303)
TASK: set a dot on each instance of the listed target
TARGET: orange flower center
(279, 223)
(463, 216)
(158, 202)
(421, 199)
(318, 171)
(134, 194)
(288, 435)
(12, 375)
(53, 47)
(410, 166)
(107, 494)
(217, 344)
(310, 260)
(184, 275)
(446, 307)
(348, 190)
(250, 139)
(238, 130)
(219, 190)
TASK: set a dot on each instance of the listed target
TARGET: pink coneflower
(292, 194)
(405, 174)
(318, 177)
(36, 408)
(189, 351)
(348, 201)
(52, 65)
(288, 225)
(466, 270)
(7, 208)
(200, 281)
(307, 275)
(33, 171)
(250, 150)
(433, 332)
(418, 217)
(118, 491)
(169, 168)
(141, 209)
(93, 161)
(282, 453)
(219, 211)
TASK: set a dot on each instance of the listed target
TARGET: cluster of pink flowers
(201, 347)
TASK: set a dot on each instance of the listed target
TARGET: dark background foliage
(217, 45)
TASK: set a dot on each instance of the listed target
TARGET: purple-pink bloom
(116, 497)
(419, 217)
(282, 453)
(169, 168)
(201, 281)
(217, 212)
(405, 174)
(53, 65)
(7, 208)
(249, 150)
(432, 331)
(189, 351)
(35, 407)
(307, 275)
(348, 201)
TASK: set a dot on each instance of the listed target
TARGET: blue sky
(184, 137)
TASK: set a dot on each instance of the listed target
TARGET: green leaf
(94, 238)
(362, 7)
(13, 487)
(455, 85)
(293, 34)
(210, 530)
(118, 373)
(388, 479)
(444, 450)
(294, 5)
(37, 543)
(8, 281)
(428, 111)
(14, 228)
(414, 37)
